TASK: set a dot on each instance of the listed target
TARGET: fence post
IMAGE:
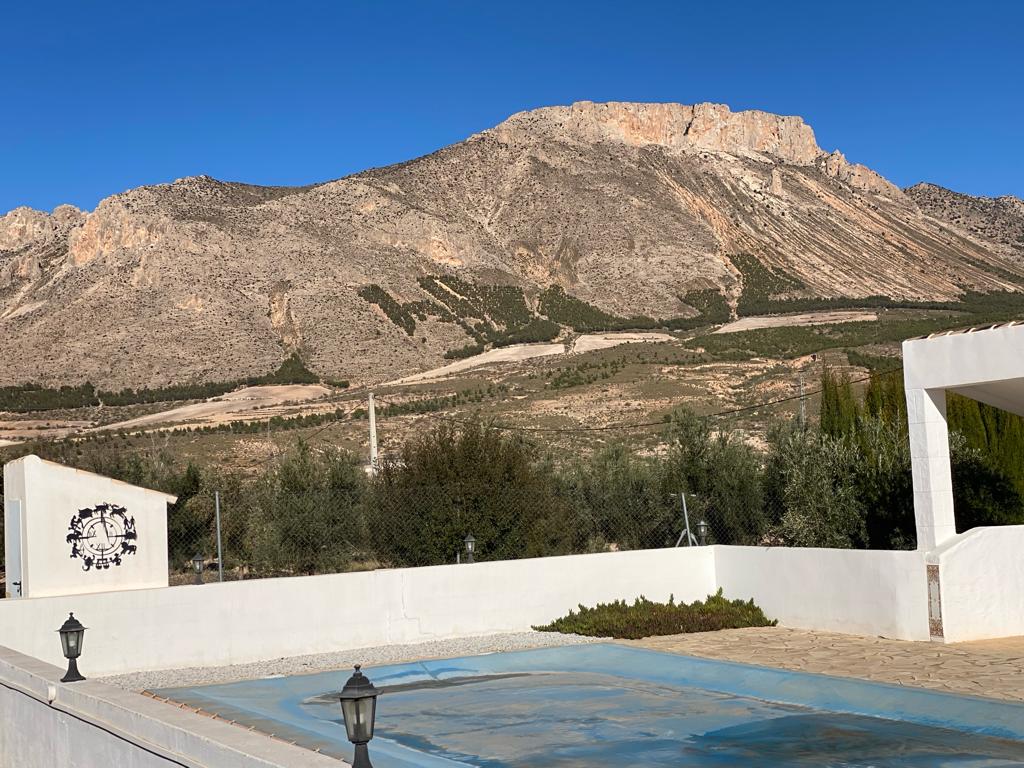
(686, 519)
(220, 552)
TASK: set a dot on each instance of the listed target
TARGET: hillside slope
(632, 208)
(998, 220)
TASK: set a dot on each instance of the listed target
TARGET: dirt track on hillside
(803, 318)
(226, 407)
(586, 343)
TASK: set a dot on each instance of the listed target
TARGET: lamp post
(470, 543)
(359, 708)
(71, 634)
(197, 566)
(702, 531)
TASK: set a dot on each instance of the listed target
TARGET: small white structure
(70, 532)
(984, 364)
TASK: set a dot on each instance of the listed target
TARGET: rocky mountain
(998, 220)
(631, 209)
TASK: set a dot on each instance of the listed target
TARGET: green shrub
(447, 483)
(622, 499)
(645, 618)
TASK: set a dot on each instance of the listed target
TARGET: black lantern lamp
(359, 708)
(71, 634)
(470, 543)
(702, 531)
(197, 566)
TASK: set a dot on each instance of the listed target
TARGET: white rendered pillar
(929, 458)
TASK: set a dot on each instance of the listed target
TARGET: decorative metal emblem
(101, 536)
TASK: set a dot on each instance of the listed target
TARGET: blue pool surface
(592, 706)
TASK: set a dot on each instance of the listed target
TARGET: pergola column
(929, 457)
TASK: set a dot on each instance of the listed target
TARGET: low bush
(645, 618)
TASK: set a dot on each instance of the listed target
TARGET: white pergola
(985, 364)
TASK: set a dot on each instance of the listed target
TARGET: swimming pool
(611, 705)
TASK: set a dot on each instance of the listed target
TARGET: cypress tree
(838, 416)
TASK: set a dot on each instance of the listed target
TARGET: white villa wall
(236, 622)
(862, 592)
(985, 364)
(982, 584)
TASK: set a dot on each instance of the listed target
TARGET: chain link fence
(271, 533)
(314, 509)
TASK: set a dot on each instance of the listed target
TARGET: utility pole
(373, 436)
(803, 406)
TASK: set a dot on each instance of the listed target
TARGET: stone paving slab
(993, 668)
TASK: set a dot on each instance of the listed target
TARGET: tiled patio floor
(993, 668)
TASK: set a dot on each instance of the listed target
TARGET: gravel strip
(323, 662)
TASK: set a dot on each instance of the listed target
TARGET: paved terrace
(992, 668)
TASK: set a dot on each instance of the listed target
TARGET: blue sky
(101, 97)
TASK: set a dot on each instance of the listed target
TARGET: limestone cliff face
(627, 206)
(34, 242)
(281, 318)
(859, 176)
(707, 127)
(25, 227)
(676, 126)
(112, 227)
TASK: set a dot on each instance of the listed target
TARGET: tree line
(843, 481)
(24, 398)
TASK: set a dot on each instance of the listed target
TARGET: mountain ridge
(627, 207)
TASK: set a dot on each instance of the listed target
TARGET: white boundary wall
(860, 592)
(237, 622)
(866, 592)
(982, 584)
(976, 590)
(84, 724)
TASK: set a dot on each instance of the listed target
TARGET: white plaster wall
(852, 591)
(862, 592)
(930, 467)
(981, 575)
(14, 545)
(47, 724)
(987, 365)
(235, 622)
(965, 359)
(50, 495)
(37, 736)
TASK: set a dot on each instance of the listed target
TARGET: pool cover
(610, 705)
